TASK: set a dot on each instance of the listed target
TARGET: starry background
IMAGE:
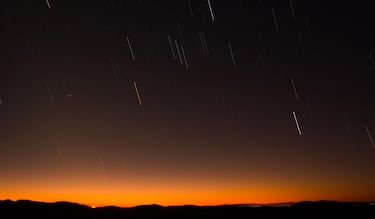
(213, 127)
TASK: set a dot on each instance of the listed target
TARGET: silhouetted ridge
(319, 209)
(153, 206)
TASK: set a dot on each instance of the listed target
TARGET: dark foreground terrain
(321, 209)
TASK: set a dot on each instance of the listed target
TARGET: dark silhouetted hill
(320, 209)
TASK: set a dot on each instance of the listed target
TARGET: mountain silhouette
(306, 209)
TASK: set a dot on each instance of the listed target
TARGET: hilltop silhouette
(31, 209)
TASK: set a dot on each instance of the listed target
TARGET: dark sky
(260, 103)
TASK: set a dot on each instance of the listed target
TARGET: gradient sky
(208, 132)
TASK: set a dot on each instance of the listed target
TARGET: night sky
(128, 102)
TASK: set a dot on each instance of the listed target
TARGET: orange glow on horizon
(175, 188)
(115, 196)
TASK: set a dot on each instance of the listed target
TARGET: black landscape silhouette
(318, 209)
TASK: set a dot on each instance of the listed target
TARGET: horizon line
(274, 204)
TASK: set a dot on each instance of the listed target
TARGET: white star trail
(211, 12)
(232, 55)
(58, 148)
(297, 123)
(178, 51)
(370, 136)
(171, 46)
(130, 48)
(204, 45)
(184, 55)
(294, 89)
(190, 8)
(137, 92)
(48, 4)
